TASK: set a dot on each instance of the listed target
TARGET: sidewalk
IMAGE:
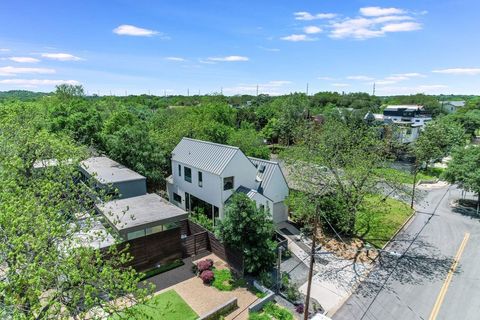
(334, 279)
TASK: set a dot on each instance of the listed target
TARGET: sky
(178, 47)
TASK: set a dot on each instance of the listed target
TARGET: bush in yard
(204, 265)
(250, 230)
(300, 308)
(207, 276)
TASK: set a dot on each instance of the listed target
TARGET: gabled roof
(204, 155)
(265, 170)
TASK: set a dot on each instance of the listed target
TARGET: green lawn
(401, 176)
(223, 280)
(165, 306)
(378, 220)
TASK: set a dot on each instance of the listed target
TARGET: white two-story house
(206, 174)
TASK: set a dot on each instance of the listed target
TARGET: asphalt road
(409, 277)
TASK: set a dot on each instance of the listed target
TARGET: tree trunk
(310, 271)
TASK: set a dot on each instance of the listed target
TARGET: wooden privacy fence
(157, 248)
(197, 239)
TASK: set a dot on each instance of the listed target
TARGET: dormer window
(262, 168)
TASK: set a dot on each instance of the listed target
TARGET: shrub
(300, 308)
(204, 265)
(277, 312)
(207, 276)
(266, 279)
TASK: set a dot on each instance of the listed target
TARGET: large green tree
(250, 230)
(464, 169)
(48, 270)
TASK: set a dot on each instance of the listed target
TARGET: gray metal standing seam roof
(204, 155)
(268, 172)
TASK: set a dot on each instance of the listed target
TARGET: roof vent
(262, 168)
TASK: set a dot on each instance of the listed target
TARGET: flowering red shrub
(207, 276)
(204, 265)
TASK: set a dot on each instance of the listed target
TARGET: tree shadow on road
(422, 264)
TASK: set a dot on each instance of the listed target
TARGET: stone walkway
(202, 298)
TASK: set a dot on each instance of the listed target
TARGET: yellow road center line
(443, 291)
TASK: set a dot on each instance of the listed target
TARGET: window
(136, 234)
(177, 198)
(228, 183)
(152, 230)
(200, 179)
(262, 207)
(188, 174)
(179, 170)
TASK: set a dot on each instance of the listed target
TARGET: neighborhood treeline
(340, 164)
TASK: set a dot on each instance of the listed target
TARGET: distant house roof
(140, 212)
(204, 155)
(106, 170)
(404, 106)
(457, 104)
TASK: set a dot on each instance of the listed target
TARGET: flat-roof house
(409, 120)
(206, 174)
(140, 216)
(114, 177)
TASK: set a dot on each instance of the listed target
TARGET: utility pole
(307, 89)
(257, 89)
(188, 92)
(373, 89)
(279, 273)
(310, 271)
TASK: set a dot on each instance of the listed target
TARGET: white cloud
(11, 71)
(326, 78)
(410, 75)
(402, 27)
(24, 59)
(312, 29)
(4, 50)
(129, 30)
(269, 49)
(396, 78)
(375, 23)
(177, 59)
(378, 11)
(340, 84)
(274, 87)
(460, 71)
(36, 82)
(297, 38)
(228, 59)
(385, 82)
(303, 15)
(360, 78)
(61, 56)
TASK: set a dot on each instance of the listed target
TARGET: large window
(188, 174)
(179, 170)
(228, 183)
(200, 179)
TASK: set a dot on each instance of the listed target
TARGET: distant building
(409, 120)
(205, 175)
(452, 106)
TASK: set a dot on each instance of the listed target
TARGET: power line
(403, 254)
